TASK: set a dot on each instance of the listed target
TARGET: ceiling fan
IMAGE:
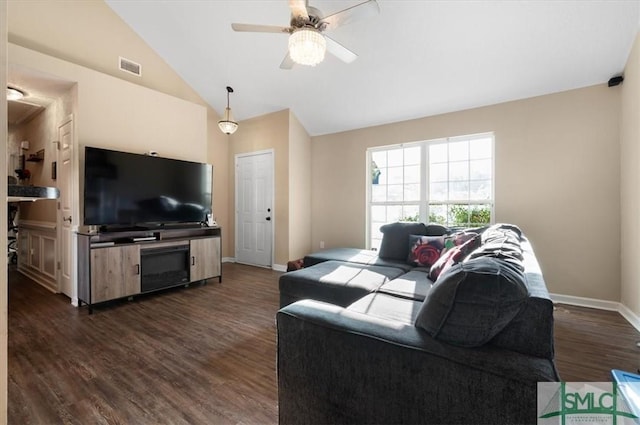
(307, 43)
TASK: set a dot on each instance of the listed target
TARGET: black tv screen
(128, 190)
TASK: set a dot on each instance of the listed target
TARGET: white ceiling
(416, 58)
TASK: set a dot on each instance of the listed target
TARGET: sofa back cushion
(531, 331)
(501, 241)
(473, 301)
(395, 238)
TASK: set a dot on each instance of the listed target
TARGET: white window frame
(424, 177)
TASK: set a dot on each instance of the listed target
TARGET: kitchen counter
(18, 193)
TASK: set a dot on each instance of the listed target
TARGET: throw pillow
(473, 301)
(395, 239)
(424, 251)
(454, 256)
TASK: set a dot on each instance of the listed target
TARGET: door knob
(67, 219)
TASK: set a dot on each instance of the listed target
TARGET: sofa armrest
(336, 366)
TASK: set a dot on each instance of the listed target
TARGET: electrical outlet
(321, 244)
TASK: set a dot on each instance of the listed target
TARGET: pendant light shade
(227, 124)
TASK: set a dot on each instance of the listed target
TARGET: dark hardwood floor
(198, 355)
(589, 343)
(203, 354)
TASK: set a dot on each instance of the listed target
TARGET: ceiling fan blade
(299, 8)
(359, 11)
(339, 51)
(259, 28)
(287, 62)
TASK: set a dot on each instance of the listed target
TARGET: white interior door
(65, 203)
(254, 208)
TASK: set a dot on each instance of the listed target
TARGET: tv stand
(120, 229)
(124, 263)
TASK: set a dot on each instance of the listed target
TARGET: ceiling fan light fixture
(228, 125)
(14, 94)
(307, 46)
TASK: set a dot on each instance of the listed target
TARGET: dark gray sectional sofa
(368, 338)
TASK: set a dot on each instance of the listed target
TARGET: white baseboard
(279, 268)
(585, 302)
(630, 316)
(624, 311)
(276, 267)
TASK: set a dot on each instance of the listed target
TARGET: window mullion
(424, 183)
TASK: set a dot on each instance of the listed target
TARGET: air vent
(130, 66)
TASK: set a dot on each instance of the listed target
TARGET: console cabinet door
(205, 258)
(115, 272)
(131, 270)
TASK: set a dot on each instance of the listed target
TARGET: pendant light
(227, 124)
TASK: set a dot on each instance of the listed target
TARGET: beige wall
(269, 131)
(3, 216)
(556, 176)
(218, 155)
(116, 114)
(299, 189)
(90, 34)
(630, 181)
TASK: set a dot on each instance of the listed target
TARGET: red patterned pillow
(425, 250)
(454, 255)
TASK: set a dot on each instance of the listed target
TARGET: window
(446, 181)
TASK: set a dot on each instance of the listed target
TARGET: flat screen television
(127, 190)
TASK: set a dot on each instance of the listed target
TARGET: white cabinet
(37, 252)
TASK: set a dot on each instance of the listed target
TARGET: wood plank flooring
(198, 355)
(203, 354)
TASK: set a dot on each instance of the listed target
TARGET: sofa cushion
(335, 282)
(501, 241)
(353, 255)
(413, 285)
(473, 301)
(388, 307)
(395, 238)
(531, 331)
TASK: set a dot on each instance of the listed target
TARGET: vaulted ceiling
(416, 58)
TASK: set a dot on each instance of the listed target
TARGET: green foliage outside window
(463, 215)
(459, 215)
(414, 218)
